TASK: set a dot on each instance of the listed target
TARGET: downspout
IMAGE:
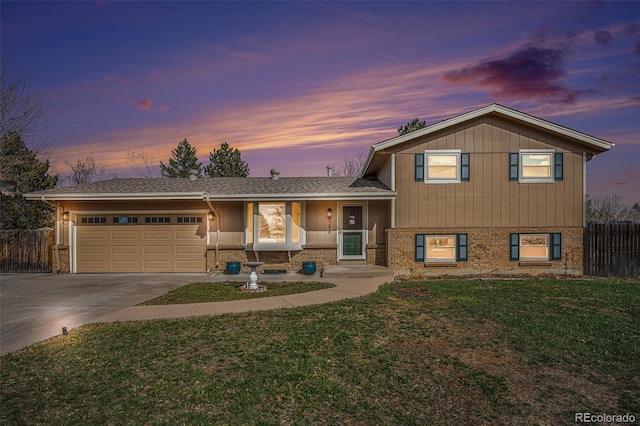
(215, 212)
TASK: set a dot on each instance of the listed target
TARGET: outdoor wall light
(65, 217)
(329, 213)
(212, 215)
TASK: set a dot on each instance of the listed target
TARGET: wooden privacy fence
(612, 250)
(26, 251)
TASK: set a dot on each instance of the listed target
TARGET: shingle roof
(221, 188)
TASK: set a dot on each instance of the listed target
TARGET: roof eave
(114, 196)
(387, 195)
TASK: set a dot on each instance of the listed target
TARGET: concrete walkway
(345, 288)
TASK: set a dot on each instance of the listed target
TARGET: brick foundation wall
(488, 252)
(322, 255)
(377, 254)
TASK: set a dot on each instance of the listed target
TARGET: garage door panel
(91, 235)
(157, 234)
(189, 265)
(125, 265)
(125, 234)
(92, 250)
(164, 249)
(93, 265)
(140, 248)
(187, 234)
(158, 265)
(125, 249)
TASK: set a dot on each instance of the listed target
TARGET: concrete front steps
(355, 271)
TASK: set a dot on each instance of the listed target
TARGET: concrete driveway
(35, 307)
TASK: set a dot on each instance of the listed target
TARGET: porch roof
(222, 188)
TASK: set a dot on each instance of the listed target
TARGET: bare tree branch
(86, 170)
(610, 208)
(351, 166)
(21, 119)
(143, 165)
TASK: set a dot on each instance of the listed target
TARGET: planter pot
(233, 268)
(309, 268)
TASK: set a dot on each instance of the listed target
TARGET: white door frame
(341, 205)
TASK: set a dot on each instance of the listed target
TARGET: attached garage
(142, 243)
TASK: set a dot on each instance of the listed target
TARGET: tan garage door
(141, 244)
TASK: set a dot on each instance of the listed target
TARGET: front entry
(352, 234)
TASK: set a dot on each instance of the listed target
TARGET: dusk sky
(300, 85)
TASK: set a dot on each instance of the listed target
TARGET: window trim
(552, 165)
(554, 247)
(443, 152)
(254, 243)
(460, 248)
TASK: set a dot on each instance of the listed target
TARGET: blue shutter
(513, 166)
(556, 246)
(419, 248)
(462, 248)
(558, 170)
(465, 171)
(515, 246)
(419, 167)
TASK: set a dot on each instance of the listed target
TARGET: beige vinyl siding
(317, 224)
(378, 220)
(230, 221)
(489, 199)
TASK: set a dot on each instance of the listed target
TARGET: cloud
(603, 37)
(529, 72)
(144, 104)
(636, 49)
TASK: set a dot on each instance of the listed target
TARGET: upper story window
(536, 166)
(442, 166)
(274, 225)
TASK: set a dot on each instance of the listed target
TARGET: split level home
(493, 190)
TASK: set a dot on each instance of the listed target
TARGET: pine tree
(226, 162)
(411, 126)
(183, 161)
(21, 172)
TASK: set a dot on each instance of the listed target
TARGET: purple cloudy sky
(299, 85)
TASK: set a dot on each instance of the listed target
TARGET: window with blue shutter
(462, 245)
(513, 166)
(556, 246)
(515, 246)
(419, 248)
(419, 167)
(558, 166)
(465, 167)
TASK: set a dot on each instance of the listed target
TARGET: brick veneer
(322, 255)
(488, 252)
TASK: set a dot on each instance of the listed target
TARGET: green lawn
(440, 352)
(224, 291)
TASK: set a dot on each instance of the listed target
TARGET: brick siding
(488, 252)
